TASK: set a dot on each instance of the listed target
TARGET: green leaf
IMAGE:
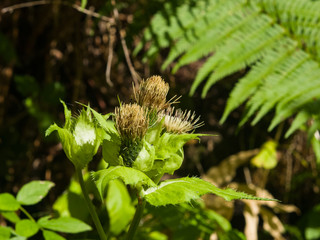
(128, 175)
(71, 202)
(267, 157)
(145, 158)
(64, 224)
(33, 192)
(49, 235)
(8, 202)
(26, 85)
(11, 216)
(120, 208)
(316, 148)
(18, 238)
(169, 143)
(27, 228)
(4, 233)
(173, 163)
(110, 151)
(84, 3)
(103, 121)
(186, 189)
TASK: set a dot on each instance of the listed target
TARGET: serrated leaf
(128, 175)
(171, 143)
(8, 202)
(64, 224)
(120, 208)
(186, 189)
(26, 228)
(103, 121)
(4, 233)
(33, 192)
(11, 216)
(49, 235)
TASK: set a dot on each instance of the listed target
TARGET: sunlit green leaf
(49, 235)
(128, 175)
(18, 238)
(120, 208)
(64, 224)
(8, 202)
(103, 121)
(145, 158)
(11, 216)
(84, 3)
(171, 143)
(186, 189)
(33, 192)
(267, 157)
(26, 228)
(4, 233)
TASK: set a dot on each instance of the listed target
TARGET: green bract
(80, 137)
(161, 152)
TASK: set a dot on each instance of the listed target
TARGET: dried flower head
(178, 121)
(131, 121)
(152, 94)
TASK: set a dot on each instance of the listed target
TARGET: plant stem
(27, 214)
(136, 219)
(92, 211)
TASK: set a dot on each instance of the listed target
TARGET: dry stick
(110, 55)
(44, 2)
(124, 45)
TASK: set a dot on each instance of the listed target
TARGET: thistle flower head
(178, 121)
(152, 93)
(131, 121)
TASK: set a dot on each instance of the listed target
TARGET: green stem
(27, 214)
(136, 219)
(92, 211)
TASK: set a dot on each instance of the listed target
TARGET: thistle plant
(140, 142)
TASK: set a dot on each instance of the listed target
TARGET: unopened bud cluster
(133, 120)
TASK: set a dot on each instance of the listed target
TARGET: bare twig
(24, 5)
(12, 8)
(122, 34)
(112, 32)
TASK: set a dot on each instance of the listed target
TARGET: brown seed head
(177, 121)
(131, 121)
(152, 94)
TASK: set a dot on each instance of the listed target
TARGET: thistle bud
(80, 137)
(152, 93)
(132, 125)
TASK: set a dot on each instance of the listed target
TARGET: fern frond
(278, 39)
(265, 97)
(250, 83)
(253, 49)
(217, 36)
(206, 29)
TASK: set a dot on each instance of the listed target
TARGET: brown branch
(122, 34)
(112, 36)
(12, 8)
